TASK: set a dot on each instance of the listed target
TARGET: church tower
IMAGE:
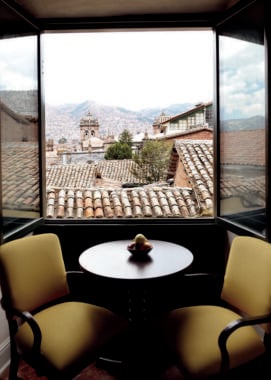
(89, 128)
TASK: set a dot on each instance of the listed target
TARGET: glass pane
(242, 132)
(155, 87)
(19, 131)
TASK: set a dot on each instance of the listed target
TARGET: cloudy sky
(134, 70)
(131, 69)
(18, 68)
(242, 79)
(137, 70)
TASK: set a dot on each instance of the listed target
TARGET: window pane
(156, 86)
(242, 122)
(19, 132)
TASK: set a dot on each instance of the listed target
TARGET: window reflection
(242, 131)
(19, 131)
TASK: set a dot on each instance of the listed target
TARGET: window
(19, 116)
(243, 165)
(99, 84)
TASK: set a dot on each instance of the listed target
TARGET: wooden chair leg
(14, 366)
(14, 359)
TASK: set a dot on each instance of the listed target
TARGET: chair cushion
(70, 331)
(192, 333)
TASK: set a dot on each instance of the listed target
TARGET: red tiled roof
(94, 191)
(250, 151)
(20, 176)
(139, 202)
(197, 160)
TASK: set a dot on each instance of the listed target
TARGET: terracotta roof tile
(20, 177)
(197, 158)
(250, 190)
(75, 191)
(124, 203)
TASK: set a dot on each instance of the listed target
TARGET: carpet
(97, 371)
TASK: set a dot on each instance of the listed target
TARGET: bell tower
(89, 127)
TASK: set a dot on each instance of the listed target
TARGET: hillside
(251, 123)
(64, 120)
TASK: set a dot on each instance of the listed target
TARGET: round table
(113, 260)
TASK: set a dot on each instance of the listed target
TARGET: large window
(20, 174)
(242, 90)
(158, 86)
(155, 85)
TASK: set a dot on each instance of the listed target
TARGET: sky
(242, 79)
(18, 69)
(138, 70)
(135, 70)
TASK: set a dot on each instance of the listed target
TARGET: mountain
(250, 123)
(64, 120)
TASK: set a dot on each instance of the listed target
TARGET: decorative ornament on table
(140, 246)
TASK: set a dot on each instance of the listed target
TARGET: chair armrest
(202, 288)
(27, 317)
(230, 328)
(74, 275)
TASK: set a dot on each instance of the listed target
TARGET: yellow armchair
(206, 340)
(56, 335)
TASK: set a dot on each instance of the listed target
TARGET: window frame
(170, 21)
(239, 25)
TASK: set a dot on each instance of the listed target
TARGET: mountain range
(64, 119)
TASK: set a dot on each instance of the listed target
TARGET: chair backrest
(32, 271)
(247, 280)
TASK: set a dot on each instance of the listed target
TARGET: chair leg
(14, 366)
(14, 357)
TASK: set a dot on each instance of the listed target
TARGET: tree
(126, 137)
(152, 162)
(118, 151)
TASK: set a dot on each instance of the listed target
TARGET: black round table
(113, 260)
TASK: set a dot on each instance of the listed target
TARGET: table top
(113, 260)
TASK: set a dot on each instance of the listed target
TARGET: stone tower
(89, 129)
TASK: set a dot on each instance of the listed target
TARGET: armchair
(209, 340)
(56, 335)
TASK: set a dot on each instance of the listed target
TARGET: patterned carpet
(100, 372)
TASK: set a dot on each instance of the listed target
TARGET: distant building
(159, 121)
(89, 133)
(199, 116)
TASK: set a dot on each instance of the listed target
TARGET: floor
(109, 371)
(101, 371)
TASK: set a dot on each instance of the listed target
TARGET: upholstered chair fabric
(34, 271)
(56, 335)
(71, 331)
(247, 281)
(192, 332)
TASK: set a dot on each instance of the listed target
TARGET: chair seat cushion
(192, 333)
(71, 331)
